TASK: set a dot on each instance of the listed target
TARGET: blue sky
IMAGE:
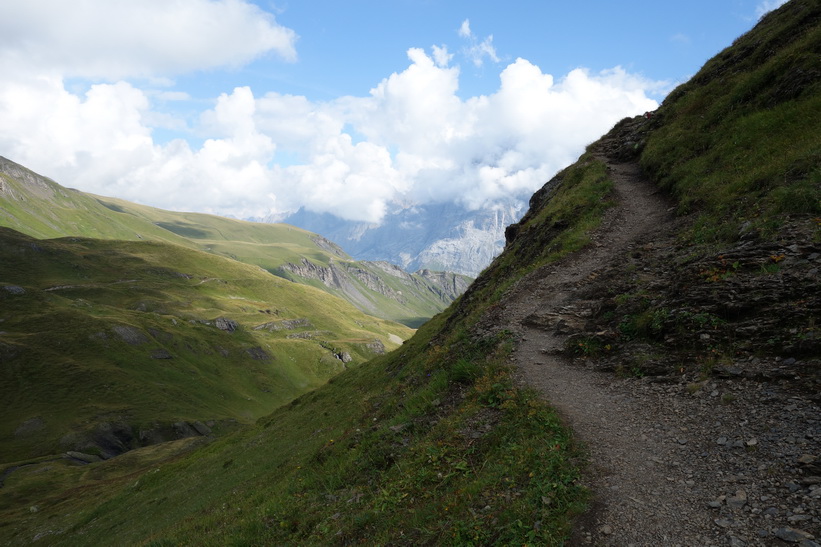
(345, 48)
(255, 109)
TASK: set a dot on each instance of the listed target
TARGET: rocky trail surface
(723, 461)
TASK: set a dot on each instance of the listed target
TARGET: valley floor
(721, 462)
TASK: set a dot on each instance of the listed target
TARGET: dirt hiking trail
(659, 472)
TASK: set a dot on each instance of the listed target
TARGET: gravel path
(730, 463)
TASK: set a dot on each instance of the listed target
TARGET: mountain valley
(640, 365)
(41, 208)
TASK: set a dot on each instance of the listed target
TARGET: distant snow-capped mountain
(442, 236)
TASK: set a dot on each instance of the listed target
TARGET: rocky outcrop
(130, 335)
(308, 270)
(106, 440)
(329, 246)
(225, 324)
(374, 283)
(35, 184)
(14, 289)
(747, 311)
(258, 354)
(361, 282)
(335, 278)
(161, 353)
(376, 347)
(285, 324)
(447, 286)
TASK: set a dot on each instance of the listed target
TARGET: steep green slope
(266, 245)
(432, 444)
(99, 332)
(40, 207)
(740, 144)
(435, 443)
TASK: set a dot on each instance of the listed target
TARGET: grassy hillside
(266, 245)
(403, 450)
(740, 144)
(112, 332)
(39, 207)
(435, 443)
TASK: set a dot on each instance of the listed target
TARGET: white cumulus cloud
(45, 125)
(441, 56)
(412, 138)
(488, 148)
(114, 39)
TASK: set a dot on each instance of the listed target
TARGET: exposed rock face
(14, 289)
(375, 283)
(285, 324)
(358, 280)
(258, 354)
(329, 246)
(83, 458)
(376, 347)
(450, 286)
(40, 186)
(106, 440)
(228, 325)
(184, 430)
(201, 428)
(748, 311)
(331, 275)
(130, 335)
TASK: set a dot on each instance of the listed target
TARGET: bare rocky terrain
(688, 445)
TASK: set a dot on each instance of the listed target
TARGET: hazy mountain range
(441, 236)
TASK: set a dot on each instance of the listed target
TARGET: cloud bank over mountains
(84, 89)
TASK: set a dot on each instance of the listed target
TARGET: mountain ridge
(40, 207)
